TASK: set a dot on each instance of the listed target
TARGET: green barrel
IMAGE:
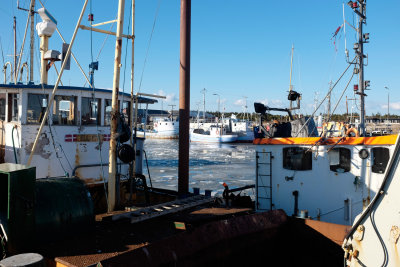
(63, 208)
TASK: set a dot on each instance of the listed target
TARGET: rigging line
(54, 146)
(23, 43)
(148, 45)
(103, 44)
(326, 96)
(340, 98)
(105, 39)
(126, 55)
(2, 53)
(97, 120)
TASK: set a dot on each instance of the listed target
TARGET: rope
(97, 123)
(126, 55)
(148, 45)
(2, 53)
(344, 90)
(330, 90)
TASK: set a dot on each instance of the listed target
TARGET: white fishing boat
(326, 178)
(65, 131)
(164, 128)
(215, 134)
(242, 128)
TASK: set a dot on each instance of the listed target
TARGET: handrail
(22, 71)
(5, 71)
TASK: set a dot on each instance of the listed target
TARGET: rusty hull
(208, 243)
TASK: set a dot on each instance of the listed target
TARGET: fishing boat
(162, 128)
(322, 177)
(75, 139)
(215, 134)
(242, 128)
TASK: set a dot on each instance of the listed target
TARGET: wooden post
(114, 111)
(184, 99)
(44, 46)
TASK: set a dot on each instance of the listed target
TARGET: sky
(240, 51)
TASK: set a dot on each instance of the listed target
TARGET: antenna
(172, 111)
(204, 103)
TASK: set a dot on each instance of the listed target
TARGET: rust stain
(42, 142)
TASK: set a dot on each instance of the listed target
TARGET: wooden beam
(83, 27)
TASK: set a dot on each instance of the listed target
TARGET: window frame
(28, 108)
(290, 160)
(55, 109)
(343, 164)
(374, 167)
(98, 115)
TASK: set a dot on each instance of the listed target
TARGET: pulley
(126, 153)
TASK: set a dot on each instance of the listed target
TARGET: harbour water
(210, 165)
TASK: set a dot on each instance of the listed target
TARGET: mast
(32, 44)
(114, 109)
(329, 101)
(172, 111)
(132, 167)
(204, 104)
(184, 98)
(15, 50)
(359, 8)
(290, 79)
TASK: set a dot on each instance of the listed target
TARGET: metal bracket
(359, 234)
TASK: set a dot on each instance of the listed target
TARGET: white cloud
(273, 103)
(170, 98)
(240, 102)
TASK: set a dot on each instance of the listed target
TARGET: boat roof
(142, 100)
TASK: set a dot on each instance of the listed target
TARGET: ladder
(263, 181)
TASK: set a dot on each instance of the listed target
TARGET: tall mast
(132, 167)
(204, 104)
(361, 62)
(32, 44)
(114, 111)
(15, 50)
(290, 79)
(359, 8)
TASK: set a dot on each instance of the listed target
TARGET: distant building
(381, 120)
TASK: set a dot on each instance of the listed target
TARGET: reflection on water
(210, 165)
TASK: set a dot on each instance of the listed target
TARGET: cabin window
(64, 110)
(12, 107)
(297, 158)
(3, 107)
(90, 108)
(107, 111)
(380, 158)
(340, 159)
(37, 104)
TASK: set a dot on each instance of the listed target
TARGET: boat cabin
(330, 179)
(75, 140)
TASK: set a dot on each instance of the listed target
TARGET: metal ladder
(263, 181)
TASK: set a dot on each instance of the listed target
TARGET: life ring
(352, 130)
(217, 131)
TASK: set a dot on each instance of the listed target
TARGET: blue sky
(239, 49)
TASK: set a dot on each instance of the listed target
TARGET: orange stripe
(373, 140)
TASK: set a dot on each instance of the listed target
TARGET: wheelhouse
(75, 138)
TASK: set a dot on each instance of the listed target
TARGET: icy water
(210, 165)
